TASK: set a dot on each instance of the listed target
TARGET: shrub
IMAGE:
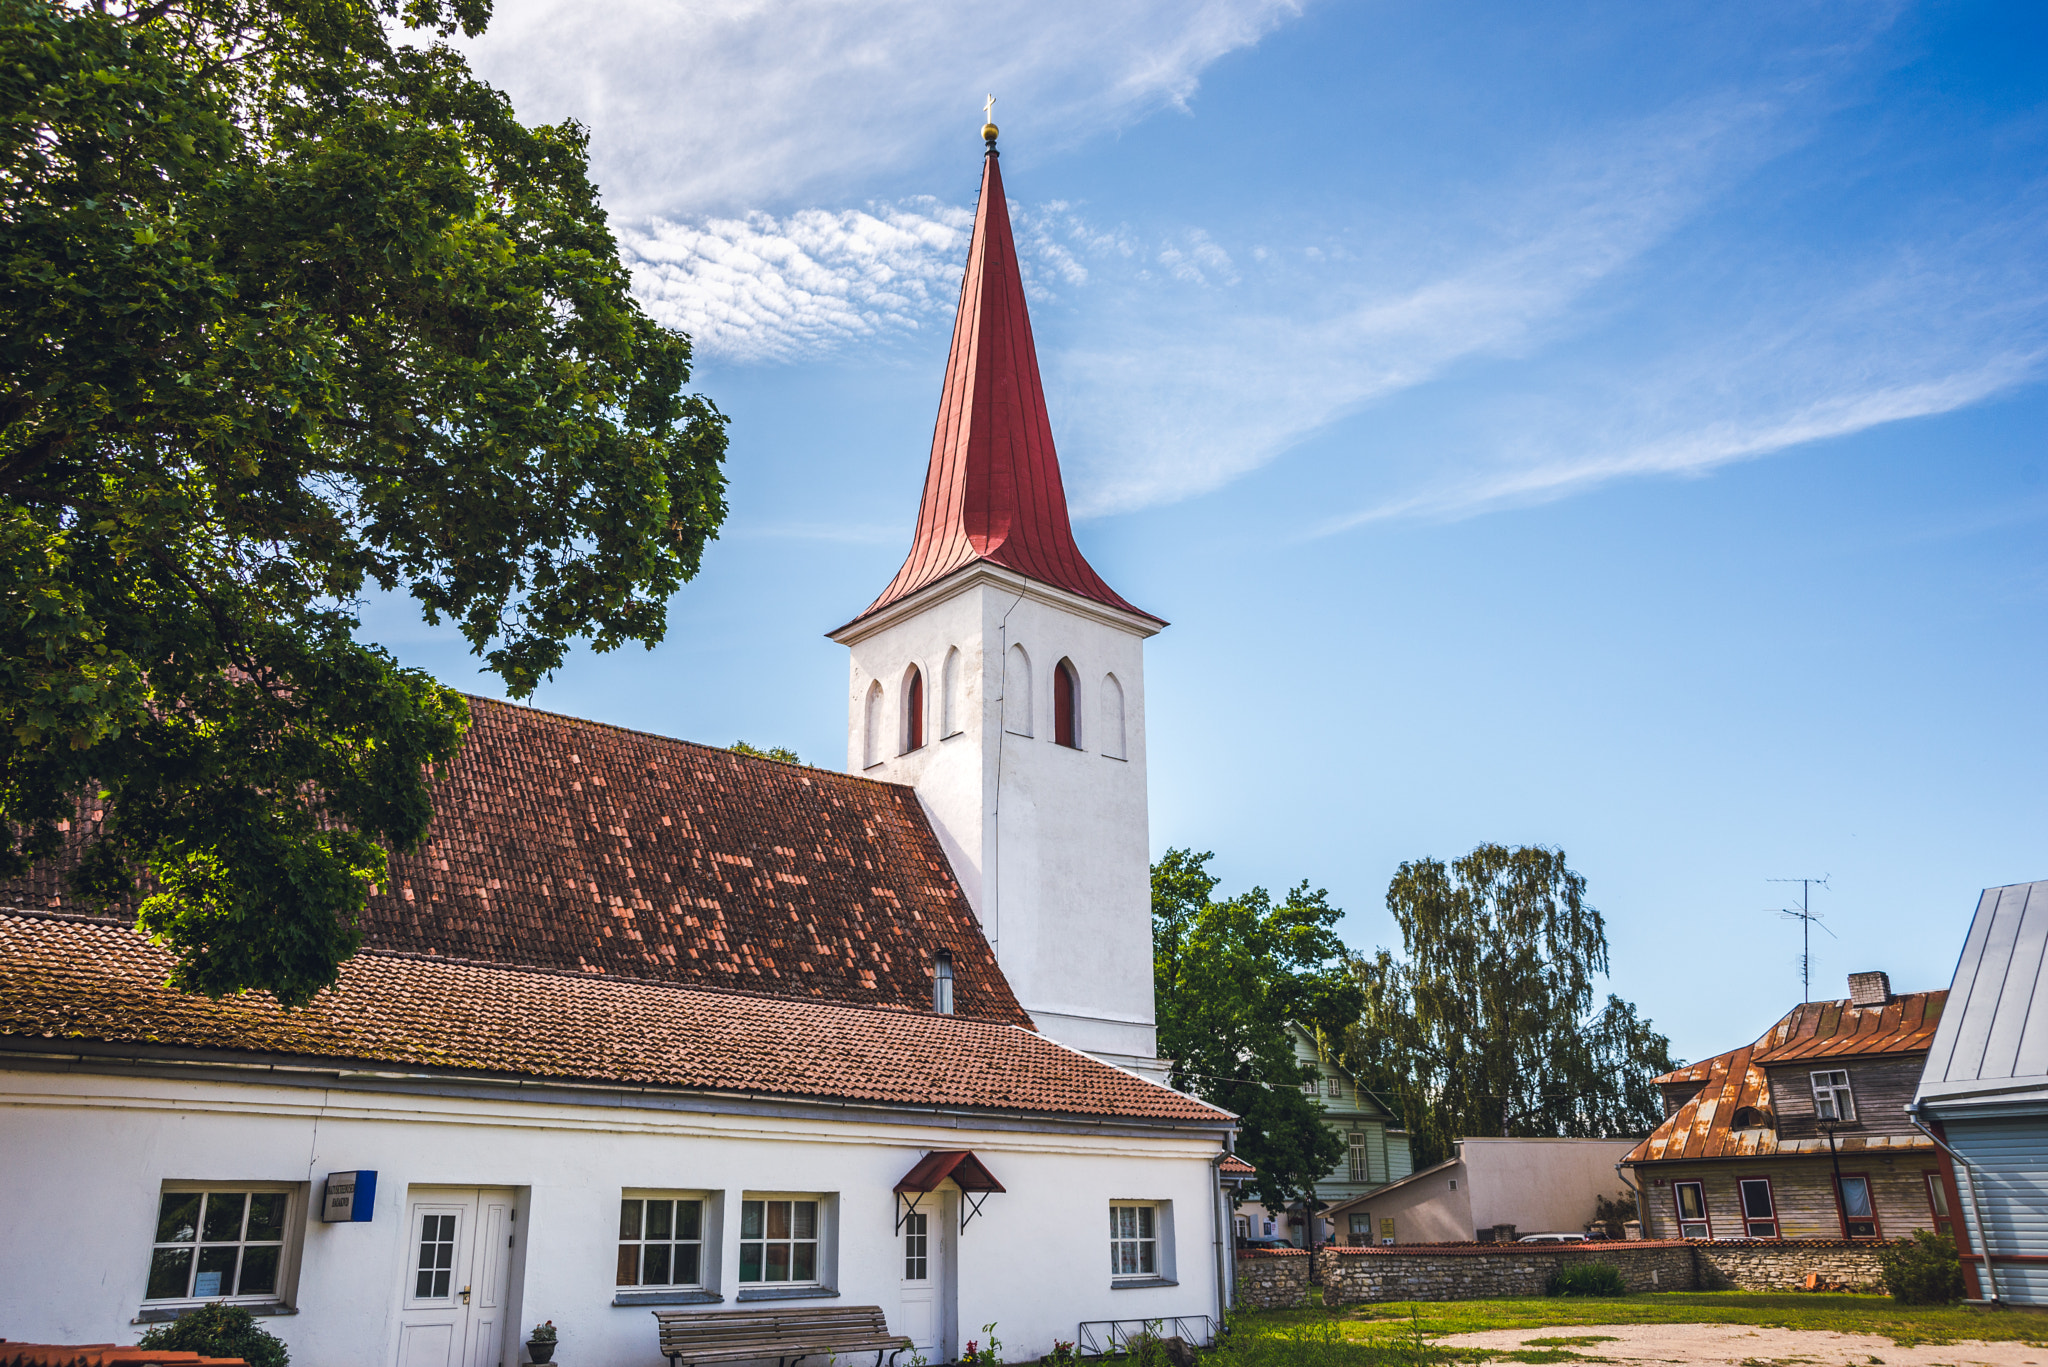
(1588, 1279)
(220, 1331)
(1923, 1270)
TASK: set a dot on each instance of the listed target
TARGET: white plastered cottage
(648, 1024)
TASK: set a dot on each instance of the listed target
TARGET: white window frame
(1832, 1097)
(821, 1204)
(1705, 1222)
(1134, 1237)
(1359, 1157)
(917, 1247)
(285, 1283)
(704, 1242)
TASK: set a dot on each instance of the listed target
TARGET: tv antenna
(1807, 918)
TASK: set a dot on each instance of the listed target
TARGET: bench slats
(689, 1336)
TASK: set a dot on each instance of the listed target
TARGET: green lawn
(1385, 1325)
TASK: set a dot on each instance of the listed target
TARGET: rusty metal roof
(1903, 1025)
(1736, 1081)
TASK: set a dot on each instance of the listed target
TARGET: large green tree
(1487, 1025)
(295, 312)
(1229, 977)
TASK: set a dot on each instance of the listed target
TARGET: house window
(913, 710)
(779, 1241)
(917, 1247)
(1133, 1241)
(1937, 1203)
(1691, 1199)
(1336, 1089)
(1859, 1217)
(661, 1242)
(1243, 1224)
(1266, 1226)
(1312, 1087)
(1759, 1212)
(225, 1245)
(942, 983)
(1831, 1099)
(1066, 705)
(1361, 1231)
(1358, 1161)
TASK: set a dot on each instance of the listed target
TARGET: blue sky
(1614, 426)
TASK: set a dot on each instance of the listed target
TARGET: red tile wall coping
(1272, 1253)
(1458, 1250)
(574, 845)
(65, 978)
(102, 1355)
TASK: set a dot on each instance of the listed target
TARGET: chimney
(1869, 989)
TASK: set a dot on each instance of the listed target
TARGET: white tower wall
(1050, 844)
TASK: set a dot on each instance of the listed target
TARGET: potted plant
(541, 1346)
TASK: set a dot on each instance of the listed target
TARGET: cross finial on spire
(988, 130)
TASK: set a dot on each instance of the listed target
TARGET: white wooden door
(458, 1257)
(925, 1264)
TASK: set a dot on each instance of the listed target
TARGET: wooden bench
(788, 1334)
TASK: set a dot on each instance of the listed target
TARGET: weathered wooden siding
(1882, 1088)
(1803, 1190)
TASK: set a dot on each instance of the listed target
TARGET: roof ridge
(802, 768)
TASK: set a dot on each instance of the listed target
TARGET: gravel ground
(1739, 1344)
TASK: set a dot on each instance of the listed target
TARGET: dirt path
(1741, 1345)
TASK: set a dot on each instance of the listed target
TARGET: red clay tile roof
(103, 1355)
(992, 492)
(1235, 1166)
(567, 844)
(1736, 1081)
(66, 978)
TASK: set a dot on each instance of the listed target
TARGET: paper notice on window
(206, 1284)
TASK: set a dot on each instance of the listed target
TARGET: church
(646, 1024)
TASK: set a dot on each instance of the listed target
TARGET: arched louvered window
(913, 709)
(871, 727)
(1066, 705)
(1111, 741)
(942, 983)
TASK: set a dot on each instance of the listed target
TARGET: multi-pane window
(1336, 1089)
(1831, 1099)
(1313, 1087)
(1937, 1202)
(1133, 1241)
(1358, 1156)
(661, 1242)
(1691, 1198)
(217, 1245)
(942, 983)
(1759, 1212)
(1859, 1219)
(779, 1241)
(917, 1247)
(434, 1268)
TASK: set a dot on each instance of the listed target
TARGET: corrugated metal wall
(2012, 1156)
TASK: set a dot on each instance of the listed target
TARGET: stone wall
(1452, 1272)
(1458, 1272)
(1783, 1265)
(1272, 1278)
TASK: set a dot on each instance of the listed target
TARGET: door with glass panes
(925, 1250)
(458, 1260)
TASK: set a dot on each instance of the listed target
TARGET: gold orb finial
(988, 132)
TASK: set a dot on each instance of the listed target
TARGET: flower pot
(540, 1352)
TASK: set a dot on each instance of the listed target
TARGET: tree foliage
(1229, 977)
(1488, 1025)
(781, 754)
(294, 312)
(220, 1331)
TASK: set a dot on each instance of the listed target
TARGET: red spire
(993, 491)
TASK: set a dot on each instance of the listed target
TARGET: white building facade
(650, 1025)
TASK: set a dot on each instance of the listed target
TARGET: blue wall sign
(350, 1198)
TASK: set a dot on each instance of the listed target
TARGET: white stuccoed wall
(87, 1156)
(1051, 844)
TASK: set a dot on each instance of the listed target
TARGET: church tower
(1000, 677)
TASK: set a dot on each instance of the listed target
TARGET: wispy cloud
(724, 106)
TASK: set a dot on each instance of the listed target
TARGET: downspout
(1841, 1210)
(1976, 1200)
(1642, 1199)
(1226, 1265)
